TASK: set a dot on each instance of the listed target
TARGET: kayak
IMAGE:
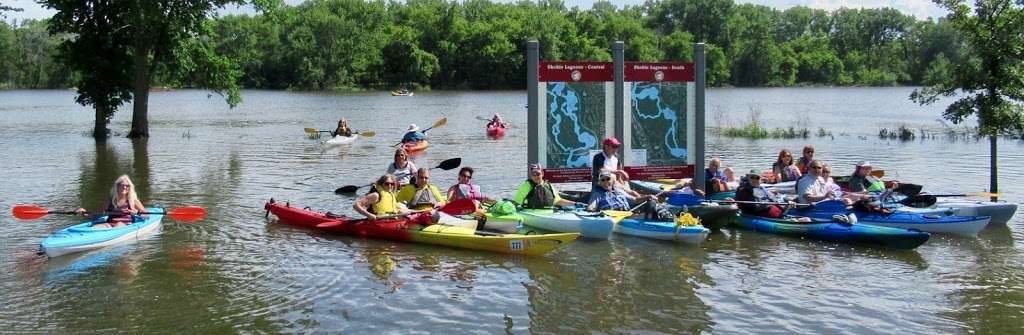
(829, 230)
(340, 140)
(495, 131)
(402, 229)
(588, 224)
(1000, 212)
(402, 94)
(83, 236)
(650, 187)
(932, 223)
(509, 223)
(661, 230)
(714, 216)
(414, 147)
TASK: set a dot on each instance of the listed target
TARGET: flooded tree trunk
(140, 96)
(993, 168)
(99, 130)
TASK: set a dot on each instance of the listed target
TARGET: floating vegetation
(755, 131)
(822, 132)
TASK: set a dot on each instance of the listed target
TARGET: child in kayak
(343, 129)
(122, 206)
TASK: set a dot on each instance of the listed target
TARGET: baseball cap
(612, 141)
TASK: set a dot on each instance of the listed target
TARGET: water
(238, 272)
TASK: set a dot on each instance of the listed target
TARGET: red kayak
(411, 230)
(495, 131)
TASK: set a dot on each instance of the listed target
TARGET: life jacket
(386, 203)
(467, 191)
(539, 197)
(424, 198)
(876, 185)
(112, 209)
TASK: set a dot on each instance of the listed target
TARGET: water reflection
(992, 288)
(633, 286)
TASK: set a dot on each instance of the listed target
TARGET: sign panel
(660, 120)
(576, 115)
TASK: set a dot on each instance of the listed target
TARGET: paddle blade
(29, 212)
(617, 215)
(367, 133)
(187, 213)
(310, 130)
(347, 189)
(443, 121)
(878, 173)
(450, 163)
(459, 207)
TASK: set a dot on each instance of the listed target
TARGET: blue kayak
(929, 222)
(662, 230)
(829, 230)
(650, 187)
(83, 236)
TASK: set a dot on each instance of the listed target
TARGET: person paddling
(122, 206)
(536, 192)
(413, 135)
(496, 121)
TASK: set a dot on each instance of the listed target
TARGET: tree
(991, 82)
(145, 33)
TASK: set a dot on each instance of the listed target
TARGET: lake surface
(238, 272)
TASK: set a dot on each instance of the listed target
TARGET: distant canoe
(401, 94)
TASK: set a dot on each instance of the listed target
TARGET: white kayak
(340, 140)
(1001, 212)
(588, 224)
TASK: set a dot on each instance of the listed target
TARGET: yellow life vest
(386, 204)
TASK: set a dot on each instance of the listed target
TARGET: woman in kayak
(122, 206)
(413, 135)
(466, 190)
(343, 129)
(805, 160)
(381, 200)
(401, 168)
(783, 168)
(536, 192)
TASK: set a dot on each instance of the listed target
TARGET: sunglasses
(535, 173)
(465, 176)
(605, 179)
(390, 183)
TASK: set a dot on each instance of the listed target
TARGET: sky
(921, 9)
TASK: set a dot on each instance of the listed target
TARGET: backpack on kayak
(503, 207)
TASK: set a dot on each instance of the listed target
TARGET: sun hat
(413, 127)
(863, 163)
(612, 141)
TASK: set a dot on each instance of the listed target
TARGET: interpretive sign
(660, 115)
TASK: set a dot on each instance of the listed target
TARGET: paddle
(365, 133)
(184, 214)
(827, 207)
(440, 123)
(619, 215)
(973, 194)
(447, 164)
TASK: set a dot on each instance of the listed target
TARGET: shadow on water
(622, 285)
(97, 175)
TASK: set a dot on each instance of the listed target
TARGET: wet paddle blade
(878, 173)
(29, 212)
(450, 163)
(311, 130)
(443, 121)
(367, 133)
(187, 213)
(347, 189)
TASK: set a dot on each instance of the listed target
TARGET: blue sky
(919, 8)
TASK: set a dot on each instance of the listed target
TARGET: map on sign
(659, 121)
(575, 122)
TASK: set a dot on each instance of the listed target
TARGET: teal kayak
(829, 230)
(661, 230)
(83, 236)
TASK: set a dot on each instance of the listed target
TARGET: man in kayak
(754, 199)
(421, 195)
(714, 178)
(381, 200)
(811, 187)
(606, 196)
(402, 168)
(536, 192)
(413, 135)
(343, 129)
(607, 161)
(122, 206)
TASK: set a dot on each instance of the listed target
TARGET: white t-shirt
(402, 176)
(809, 185)
(610, 163)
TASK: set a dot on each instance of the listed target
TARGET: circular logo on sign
(576, 75)
(659, 76)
